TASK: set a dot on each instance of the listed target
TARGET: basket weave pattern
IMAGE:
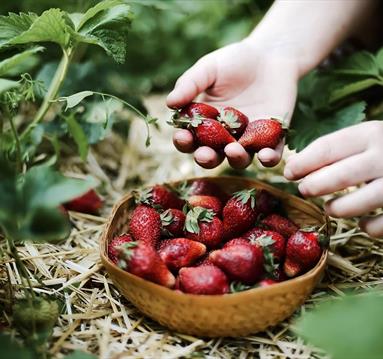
(235, 314)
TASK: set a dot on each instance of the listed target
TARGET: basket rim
(110, 266)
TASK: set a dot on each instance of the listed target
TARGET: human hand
(348, 157)
(258, 83)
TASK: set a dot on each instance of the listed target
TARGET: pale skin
(259, 76)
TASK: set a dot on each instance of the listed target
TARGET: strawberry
(159, 196)
(203, 226)
(180, 252)
(203, 187)
(207, 279)
(267, 203)
(236, 241)
(173, 222)
(234, 121)
(204, 261)
(90, 203)
(253, 233)
(115, 244)
(280, 224)
(261, 134)
(241, 262)
(145, 225)
(303, 252)
(208, 202)
(278, 275)
(266, 282)
(239, 213)
(142, 260)
(195, 109)
(274, 242)
(211, 133)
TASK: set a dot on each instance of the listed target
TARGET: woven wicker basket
(236, 314)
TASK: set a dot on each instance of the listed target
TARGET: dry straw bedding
(97, 319)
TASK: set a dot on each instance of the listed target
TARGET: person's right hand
(258, 82)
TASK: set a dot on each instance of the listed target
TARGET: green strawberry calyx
(266, 243)
(125, 253)
(236, 287)
(229, 118)
(167, 217)
(245, 196)
(196, 215)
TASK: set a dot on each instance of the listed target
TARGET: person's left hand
(348, 157)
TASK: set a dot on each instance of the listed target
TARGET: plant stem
(19, 162)
(52, 92)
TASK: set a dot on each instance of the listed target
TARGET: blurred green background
(167, 37)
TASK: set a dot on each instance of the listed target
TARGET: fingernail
(302, 189)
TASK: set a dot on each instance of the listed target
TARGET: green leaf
(52, 25)
(78, 135)
(107, 28)
(308, 125)
(43, 187)
(348, 328)
(361, 63)
(14, 24)
(10, 349)
(7, 65)
(352, 87)
(6, 85)
(379, 59)
(75, 99)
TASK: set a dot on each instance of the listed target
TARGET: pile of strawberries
(198, 239)
(217, 129)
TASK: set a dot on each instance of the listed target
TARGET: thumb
(193, 82)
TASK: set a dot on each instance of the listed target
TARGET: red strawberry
(142, 260)
(241, 262)
(236, 241)
(278, 275)
(203, 226)
(234, 121)
(145, 225)
(266, 282)
(204, 261)
(90, 202)
(173, 222)
(274, 242)
(261, 134)
(303, 252)
(207, 279)
(211, 133)
(239, 213)
(280, 224)
(253, 233)
(208, 202)
(115, 244)
(194, 109)
(180, 252)
(159, 196)
(267, 203)
(203, 187)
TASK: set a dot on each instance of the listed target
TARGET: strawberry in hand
(234, 121)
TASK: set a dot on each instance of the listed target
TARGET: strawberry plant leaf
(335, 326)
(10, 348)
(52, 25)
(352, 87)
(107, 26)
(309, 125)
(362, 63)
(9, 64)
(14, 24)
(77, 354)
(78, 135)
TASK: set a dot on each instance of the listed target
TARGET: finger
(372, 225)
(237, 155)
(326, 150)
(340, 175)
(358, 203)
(193, 82)
(206, 157)
(271, 157)
(183, 141)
